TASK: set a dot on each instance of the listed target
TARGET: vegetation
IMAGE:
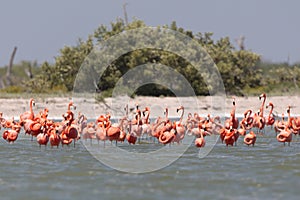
(242, 71)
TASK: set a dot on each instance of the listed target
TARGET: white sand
(202, 105)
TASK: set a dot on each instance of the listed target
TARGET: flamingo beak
(177, 110)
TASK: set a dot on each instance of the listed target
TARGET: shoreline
(13, 107)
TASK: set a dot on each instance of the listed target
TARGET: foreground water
(268, 170)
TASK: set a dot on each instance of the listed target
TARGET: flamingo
(113, 132)
(222, 133)
(100, 133)
(71, 104)
(131, 137)
(248, 117)
(136, 125)
(232, 121)
(42, 139)
(12, 135)
(291, 123)
(260, 120)
(229, 137)
(192, 125)
(28, 114)
(8, 123)
(242, 130)
(180, 129)
(35, 127)
(250, 138)
(89, 131)
(279, 124)
(54, 138)
(168, 134)
(200, 141)
(189, 123)
(135, 128)
(146, 127)
(270, 119)
(157, 127)
(285, 136)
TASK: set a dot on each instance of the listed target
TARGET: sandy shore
(202, 105)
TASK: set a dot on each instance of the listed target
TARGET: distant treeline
(242, 71)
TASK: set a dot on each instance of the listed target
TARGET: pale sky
(39, 28)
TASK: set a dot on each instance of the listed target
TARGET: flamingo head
(32, 101)
(166, 111)
(146, 109)
(263, 95)
(269, 104)
(233, 101)
(108, 116)
(258, 112)
(208, 118)
(261, 120)
(179, 108)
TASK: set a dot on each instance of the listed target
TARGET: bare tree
(240, 42)
(125, 13)
(8, 72)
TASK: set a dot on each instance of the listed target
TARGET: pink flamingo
(270, 119)
(12, 135)
(229, 137)
(260, 120)
(168, 134)
(54, 138)
(250, 138)
(200, 141)
(285, 136)
(232, 121)
(42, 139)
(180, 128)
(28, 114)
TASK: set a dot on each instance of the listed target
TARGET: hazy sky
(39, 28)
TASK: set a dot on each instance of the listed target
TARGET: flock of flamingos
(71, 129)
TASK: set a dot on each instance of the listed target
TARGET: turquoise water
(268, 170)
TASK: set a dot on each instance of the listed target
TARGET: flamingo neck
(167, 113)
(181, 117)
(147, 117)
(157, 125)
(289, 116)
(69, 106)
(30, 106)
(271, 111)
(262, 107)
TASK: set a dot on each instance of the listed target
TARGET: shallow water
(269, 170)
